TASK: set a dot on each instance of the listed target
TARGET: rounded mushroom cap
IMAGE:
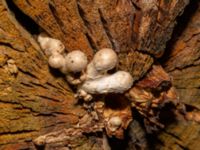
(105, 59)
(56, 61)
(114, 123)
(55, 46)
(76, 61)
(50, 45)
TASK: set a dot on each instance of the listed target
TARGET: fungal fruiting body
(75, 61)
(118, 82)
(104, 60)
(68, 63)
(98, 81)
(50, 45)
(114, 123)
(94, 78)
(56, 61)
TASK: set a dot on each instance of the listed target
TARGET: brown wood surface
(183, 64)
(37, 101)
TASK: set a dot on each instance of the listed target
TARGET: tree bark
(36, 101)
(182, 63)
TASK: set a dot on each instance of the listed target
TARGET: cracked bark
(37, 100)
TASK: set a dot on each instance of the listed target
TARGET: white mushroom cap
(114, 123)
(76, 61)
(56, 46)
(118, 82)
(50, 45)
(105, 59)
(56, 61)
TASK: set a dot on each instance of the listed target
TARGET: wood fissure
(38, 106)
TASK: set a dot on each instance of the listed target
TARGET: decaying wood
(37, 106)
(182, 62)
(151, 94)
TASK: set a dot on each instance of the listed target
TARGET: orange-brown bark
(37, 106)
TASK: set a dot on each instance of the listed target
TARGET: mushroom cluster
(99, 81)
(68, 63)
(99, 76)
(93, 77)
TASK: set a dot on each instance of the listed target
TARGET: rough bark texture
(183, 64)
(37, 101)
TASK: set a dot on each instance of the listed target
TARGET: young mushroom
(56, 61)
(114, 123)
(74, 62)
(98, 81)
(69, 64)
(50, 45)
(92, 78)
(104, 60)
(118, 82)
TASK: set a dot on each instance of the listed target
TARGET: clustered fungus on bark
(97, 79)
(94, 78)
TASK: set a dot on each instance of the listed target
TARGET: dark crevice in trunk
(17, 132)
(107, 31)
(9, 45)
(87, 25)
(91, 42)
(55, 15)
(23, 19)
(182, 23)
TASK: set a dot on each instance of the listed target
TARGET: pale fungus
(90, 79)
(114, 123)
(56, 61)
(98, 81)
(104, 60)
(94, 77)
(50, 45)
(75, 61)
(118, 82)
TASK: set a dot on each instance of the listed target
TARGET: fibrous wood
(37, 101)
(182, 62)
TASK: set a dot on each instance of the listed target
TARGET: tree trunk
(37, 106)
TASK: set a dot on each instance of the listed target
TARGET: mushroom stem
(118, 82)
